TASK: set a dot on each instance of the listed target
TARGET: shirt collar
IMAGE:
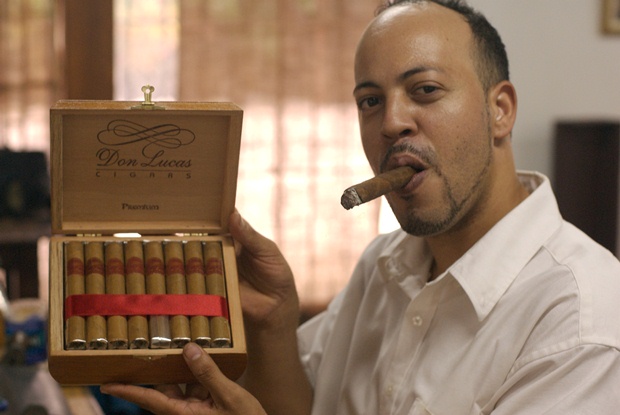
(406, 260)
(488, 268)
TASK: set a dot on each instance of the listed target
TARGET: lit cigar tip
(350, 198)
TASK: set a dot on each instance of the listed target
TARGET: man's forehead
(411, 36)
(427, 14)
(410, 21)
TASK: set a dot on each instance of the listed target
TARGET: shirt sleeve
(312, 337)
(581, 380)
(315, 336)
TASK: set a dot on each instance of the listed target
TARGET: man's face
(421, 103)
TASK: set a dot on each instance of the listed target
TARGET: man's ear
(503, 109)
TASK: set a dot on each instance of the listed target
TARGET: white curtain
(287, 63)
(29, 73)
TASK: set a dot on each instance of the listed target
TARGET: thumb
(243, 232)
(251, 242)
(227, 396)
(206, 372)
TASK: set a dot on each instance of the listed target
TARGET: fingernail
(104, 388)
(192, 351)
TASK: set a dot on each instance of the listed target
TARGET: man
(485, 301)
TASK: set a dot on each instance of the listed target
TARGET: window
(287, 63)
(29, 75)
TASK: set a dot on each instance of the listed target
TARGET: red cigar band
(94, 266)
(154, 266)
(175, 266)
(214, 266)
(114, 266)
(194, 266)
(75, 266)
(134, 265)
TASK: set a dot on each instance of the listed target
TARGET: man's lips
(404, 159)
(419, 167)
(414, 183)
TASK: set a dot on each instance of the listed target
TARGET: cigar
(137, 326)
(214, 270)
(196, 284)
(376, 187)
(75, 326)
(95, 284)
(115, 284)
(159, 326)
(175, 284)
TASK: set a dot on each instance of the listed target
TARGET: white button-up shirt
(526, 322)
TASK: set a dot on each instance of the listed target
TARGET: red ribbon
(85, 305)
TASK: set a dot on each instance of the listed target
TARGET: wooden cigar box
(124, 171)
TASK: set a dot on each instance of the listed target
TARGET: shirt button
(389, 391)
(417, 321)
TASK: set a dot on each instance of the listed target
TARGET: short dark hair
(491, 59)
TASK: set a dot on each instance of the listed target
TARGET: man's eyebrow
(362, 85)
(401, 77)
(417, 70)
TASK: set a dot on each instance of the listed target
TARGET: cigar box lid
(119, 166)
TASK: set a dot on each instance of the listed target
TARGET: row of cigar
(144, 267)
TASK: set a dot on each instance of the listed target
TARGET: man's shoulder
(572, 248)
(595, 273)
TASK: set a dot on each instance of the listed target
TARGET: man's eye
(428, 89)
(368, 102)
(427, 93)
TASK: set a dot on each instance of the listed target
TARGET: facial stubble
(457, 213)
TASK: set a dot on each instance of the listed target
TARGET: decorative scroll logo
(155, 141)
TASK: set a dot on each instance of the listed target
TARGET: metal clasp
(147, 104)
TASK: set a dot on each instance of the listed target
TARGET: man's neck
(449, 246)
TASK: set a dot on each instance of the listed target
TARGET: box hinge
(85, 235)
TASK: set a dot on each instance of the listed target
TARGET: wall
(562, 65)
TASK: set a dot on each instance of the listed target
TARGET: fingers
(242, 232)
(257, 249)
(266, 283)
(170, 390)
(207, 373)
(226, 396)
(218, 394)
(149, 399)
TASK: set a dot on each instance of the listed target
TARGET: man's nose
(399, 118)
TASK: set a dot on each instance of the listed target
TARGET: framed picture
(611, 16)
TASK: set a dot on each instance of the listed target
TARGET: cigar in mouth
(376, 187)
